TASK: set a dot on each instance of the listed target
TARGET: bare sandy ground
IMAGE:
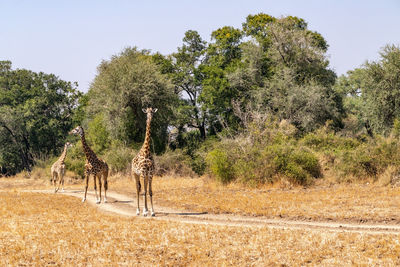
(123, 205)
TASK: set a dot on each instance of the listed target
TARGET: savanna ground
(49, 229)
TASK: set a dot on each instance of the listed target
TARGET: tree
(349, 88)
(295, 83)
(307, 105)
(187, 78)
(124, 85)
(377, 86)
(223, 57)
(36, 111)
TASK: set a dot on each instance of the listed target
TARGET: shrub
(41, 170)
(220, 165)
(75, 160)
(254, 172)
(325, 140)
(76, 165)
(198, 164)
(296, 174)
(295, 162)
(269, 155)
(97, 134)
(307, 161)
(119, 158)
(174, 163)
(369, 159)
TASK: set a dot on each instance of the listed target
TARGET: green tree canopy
(187, 79)
(36, 113)
(372, 92)
(281, 66)
(124, 85)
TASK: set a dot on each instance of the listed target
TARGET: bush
(263, 156)
(254, 172)
(174, 163)
(298, 164)
(75, 160)
(98, 135)
(368, 160)
(42, 167)
(325, 140)
(198, 164)
(220, 165)
(119, 158)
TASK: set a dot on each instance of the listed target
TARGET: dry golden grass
(323, 202)
(57, 230)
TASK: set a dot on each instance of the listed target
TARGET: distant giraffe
(143, 166)
(58, 169)
(94, 165)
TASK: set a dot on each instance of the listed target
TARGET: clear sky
(70, 38)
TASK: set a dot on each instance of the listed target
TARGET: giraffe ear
(144, 110)
(155, 110)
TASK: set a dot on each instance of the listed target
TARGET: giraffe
(58, 169)
(143, 166)
(93, 165)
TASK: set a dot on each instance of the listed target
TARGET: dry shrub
(352, 159)
(263, 153)
(119, 158)
(391, 176)
(40, 173)
(173, 163)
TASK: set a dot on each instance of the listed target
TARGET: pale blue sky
(70, 38)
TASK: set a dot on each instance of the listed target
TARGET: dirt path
(126, 206)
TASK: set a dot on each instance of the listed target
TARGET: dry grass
(46, 229)
(323, 202)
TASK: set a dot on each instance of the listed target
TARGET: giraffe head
(77, 131)
(150, 111)
(68, 145)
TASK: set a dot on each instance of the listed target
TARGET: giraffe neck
(63, 155)
(146, 145)
(86, 149)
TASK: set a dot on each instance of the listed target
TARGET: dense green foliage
(264, 151)
(125, 85)
(372, 92)
(36, 112)
(256, 104)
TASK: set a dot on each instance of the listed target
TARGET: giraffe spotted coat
(143, 167)
(93, 166)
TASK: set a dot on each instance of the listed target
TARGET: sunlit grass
(57, 230)
(322, 202)
(340, 202)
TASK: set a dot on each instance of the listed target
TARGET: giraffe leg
(137, 178)
(62, 188)
(99, 177)
(62, 180)
(105, 186)
(52, 178)
(95, 188)
(54, 181)
(86, 186)
(145, 183)
(151, 196)
(59, 177)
